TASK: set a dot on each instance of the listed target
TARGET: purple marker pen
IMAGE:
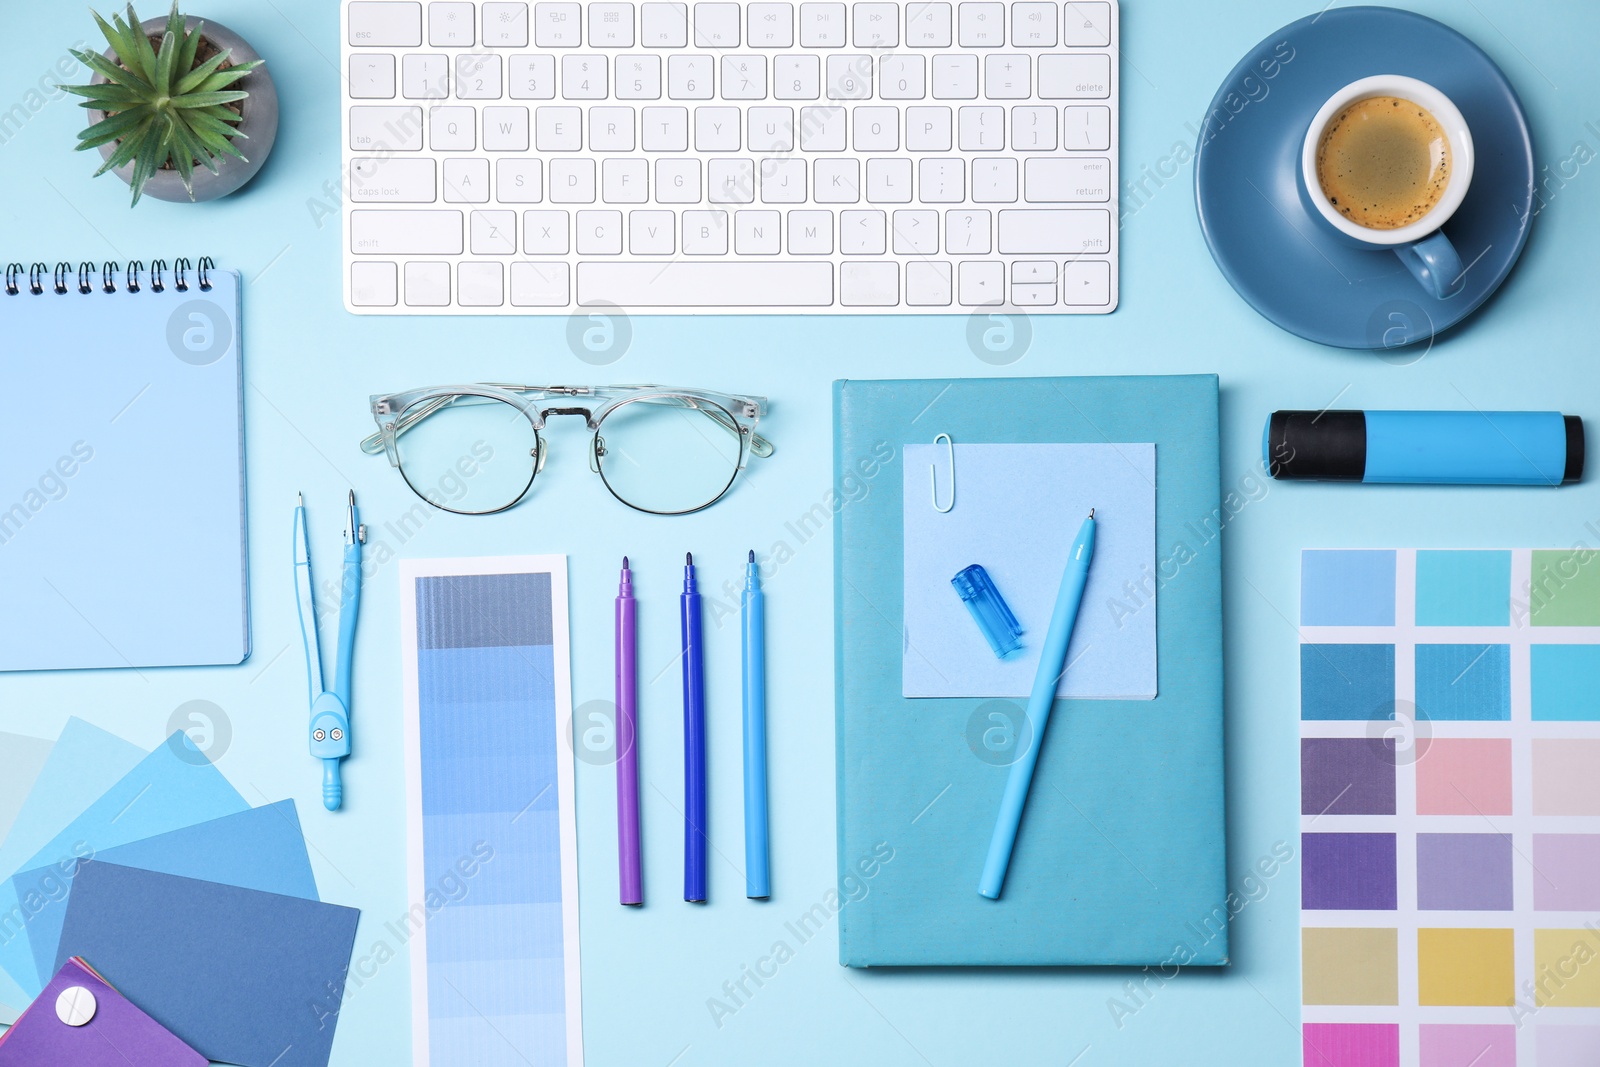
(628, 866)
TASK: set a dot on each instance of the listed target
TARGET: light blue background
(648, 973)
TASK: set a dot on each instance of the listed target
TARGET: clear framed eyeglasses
(476, 449)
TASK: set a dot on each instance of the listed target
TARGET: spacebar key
(722, 284)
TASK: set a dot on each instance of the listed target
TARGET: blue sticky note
(1461, 682)
(172, 787)
(262, 848)
(1347, 587)
(1346, 681)
(1564, 682)
(242, 976)
(1463, 587)
(1018, 507)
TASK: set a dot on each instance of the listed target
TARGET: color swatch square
(1564, 587)
(1465, 967)
(1350, 1044)
(1566, 967)
(1346, 681)
(1464, 872)
(1565, 781)
(1468, 1045)
(1566, 873)
(1566, 1046)
(1564, 682)
(1463, 588)
(1464, 776)
(1459, 682)
(1345, 587)
(1347, 872)
(1349, 965)
(1346, 776)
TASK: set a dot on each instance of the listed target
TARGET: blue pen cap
(989, 610)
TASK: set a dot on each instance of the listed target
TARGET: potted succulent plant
(169, 98)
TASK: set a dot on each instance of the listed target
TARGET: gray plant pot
(259, 123)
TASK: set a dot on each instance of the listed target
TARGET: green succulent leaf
(126, 147)
(199, 74)
(199, 100)
(121, 43)
(220, 80)
(113, 73)
(203, 121)
(175, 22)
(141, 47)
(105, 96)
(112, 127)
(165, 59)
(191, 46)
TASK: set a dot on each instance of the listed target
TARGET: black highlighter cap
(1324, 446)
(1574, 471)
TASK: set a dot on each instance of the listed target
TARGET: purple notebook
(117, 1034)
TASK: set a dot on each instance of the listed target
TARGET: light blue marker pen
(757, 859)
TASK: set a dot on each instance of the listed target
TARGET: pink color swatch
(1480, 1045)
(1465, 776)
(1352, 1044)
(1564, 778)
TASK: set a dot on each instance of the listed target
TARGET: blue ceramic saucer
(1260, 234)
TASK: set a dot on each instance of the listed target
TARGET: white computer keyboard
(919, 157)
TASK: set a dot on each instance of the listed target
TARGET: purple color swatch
(1463, 872)
(1346, 776)
(1478, 1045)
(1566, 872)
(117, 1035)
(1567, 1046)
(1351, 1044)
(1348, 872)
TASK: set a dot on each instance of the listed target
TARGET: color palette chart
(1450, 808)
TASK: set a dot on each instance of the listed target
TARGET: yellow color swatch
(1566, 968)
(1349, 966)
(1466, 967)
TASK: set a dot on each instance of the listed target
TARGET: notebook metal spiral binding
(36, 273)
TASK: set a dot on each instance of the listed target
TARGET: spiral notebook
(122, 537)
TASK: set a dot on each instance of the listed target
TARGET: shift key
(1055, 232)
(405, 233)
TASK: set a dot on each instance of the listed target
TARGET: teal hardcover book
(1120, 859)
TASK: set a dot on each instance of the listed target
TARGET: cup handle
(1434, 262)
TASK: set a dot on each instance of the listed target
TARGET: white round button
(75, 1006)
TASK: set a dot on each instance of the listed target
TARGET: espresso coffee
(1383, 162)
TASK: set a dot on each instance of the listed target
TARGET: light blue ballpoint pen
(752, 608)
(330, 709)
(1052, 664)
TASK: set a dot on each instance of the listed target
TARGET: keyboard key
(983, 129)
(678, 181)
(902, 78)
(518, 181)
(371, 77)
(869, 284)
(943, 180)
(796, 77)
(477, 76)
(716, 25)
(466, 181)
(928, 129)
(822, 25)
(689, 77)
(876, 25)
(494, 233)
(1074, 77)
(888, 181)
(731, 181)
(505, 129)
(982, 26)
(861, 233)
(452, 129)
(639, 78)
(385, 25)
(405, 232)
(376, 128)
(424, 77)
(664, 25)
(652, 233)
(850, 77)
(811, 232)
(1086, 282)
(716, 129)
(599, 233)
(769, 25)
(916, 233)
(756, 233)
(664, 129)
(558, 129)
(822, 129)
(966, 233)
(1046, 180)
(540, 284)
(625, 181)
(1087, 25)
(770, 129)
(611, 129)
(994, 181)
(1033, 294)
(583, 77)
(1033, 129)
(783, 181)
(1066, 230)
(705, 233)
(1086, 128)
(1007, 77)
(505, 25)
(928, 25)
(532, 77)
(928, 284)
(983, 282)
(732, 284)
(610, 25)
(955, 77)
(744, 77)
(374, 284)
(838, 181)
(1033, 25)
(392, 180)
(572, 181)
(557, 25)
(877, 129)
(480, 285)
(545, 232)
(427, 284)
(450, 25)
